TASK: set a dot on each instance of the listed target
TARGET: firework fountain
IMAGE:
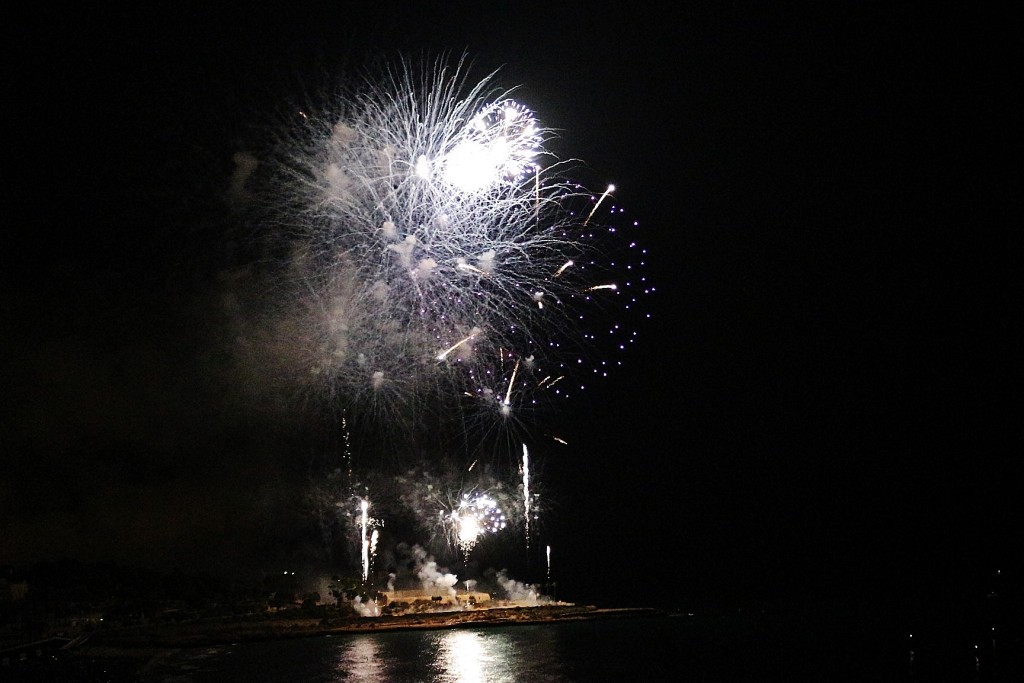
(364, 543)
(526, 494)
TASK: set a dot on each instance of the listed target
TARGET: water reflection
(466, 657)
(496, 656)
(449, 656)
(360, 661)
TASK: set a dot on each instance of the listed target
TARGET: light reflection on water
(359, 661)
(804, 646)
(569, 652)
(452, 656)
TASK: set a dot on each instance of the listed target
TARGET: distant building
(440, 598)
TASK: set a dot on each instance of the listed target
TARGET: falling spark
(444, 354)
(552, 382)
(508, 392)
(462, 265)
(565, 265)
(611, 188)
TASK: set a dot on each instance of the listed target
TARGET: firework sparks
(500, 144)
(476, 516)
(436, 259)
(418, 212)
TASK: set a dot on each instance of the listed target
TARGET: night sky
(820, 405)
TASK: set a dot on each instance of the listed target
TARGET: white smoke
(433, 579)
(365, 609)
(517, 590)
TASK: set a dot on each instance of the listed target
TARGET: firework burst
(435, 269)
(476, 516)
(436, 249)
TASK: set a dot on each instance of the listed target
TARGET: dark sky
(821, 405)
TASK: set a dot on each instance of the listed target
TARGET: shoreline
(203, 634)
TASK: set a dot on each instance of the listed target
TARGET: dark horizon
(820, 404)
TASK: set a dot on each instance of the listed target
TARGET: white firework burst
(433, 253)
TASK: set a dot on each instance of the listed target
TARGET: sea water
(637, 649)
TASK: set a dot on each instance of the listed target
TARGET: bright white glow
(476, 515)
(464, 657)
(471, 166)
(500, 145)
(469, 529)
(423, 167)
